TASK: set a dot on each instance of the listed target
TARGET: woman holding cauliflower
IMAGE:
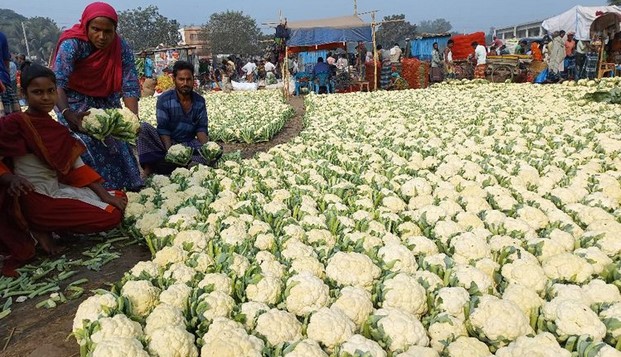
(45, 186)
(95, 69)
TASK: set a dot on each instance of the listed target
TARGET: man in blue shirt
(323, 70)
(181, 119)
(8, 93)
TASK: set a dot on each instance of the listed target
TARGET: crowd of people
(55, 179)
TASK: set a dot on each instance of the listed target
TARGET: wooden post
(374, 51)
(285, 74)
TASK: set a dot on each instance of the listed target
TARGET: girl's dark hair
(182, 65)
(35, 71)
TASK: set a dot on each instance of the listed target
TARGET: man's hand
(75, 119)
(118, 202)
(18, 185)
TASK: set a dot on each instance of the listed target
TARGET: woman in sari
(386, 67)
(95, 68)
(45, 186)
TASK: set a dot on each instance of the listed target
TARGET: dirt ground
(32, 332)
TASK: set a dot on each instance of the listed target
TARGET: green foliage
(613, 96)
(41, 32)
(393, 32)
(232, 32)
(146, 28)
(436, 26)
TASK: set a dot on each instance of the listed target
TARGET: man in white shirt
(395, 53)
(249, 69)
(480, 56)
(270, 70)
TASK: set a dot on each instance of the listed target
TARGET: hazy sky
(464, 15)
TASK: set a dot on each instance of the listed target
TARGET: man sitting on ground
(181, 119)
(321, 69)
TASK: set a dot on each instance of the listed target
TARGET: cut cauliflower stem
(93, 308)
(405, 293)
(172, 341)
(542, 345)
(499, 321)
(330, 327)
(142, 295)
(279, 326)
(120, 347)
(401, 329)
(358, 344)
(306, 294)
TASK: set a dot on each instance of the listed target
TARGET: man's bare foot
(47, 243)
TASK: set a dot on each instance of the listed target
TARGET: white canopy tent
(578, 19)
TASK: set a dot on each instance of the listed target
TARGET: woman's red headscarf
(101, 73)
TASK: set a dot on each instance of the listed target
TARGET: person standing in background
(436, 64)
(449, 65)
(480, 57)
(8, 93)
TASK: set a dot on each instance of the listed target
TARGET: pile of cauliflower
(397, 224)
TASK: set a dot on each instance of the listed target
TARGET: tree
(396, 31)
(614, 2)
(436, 26)
(147, 28)
(232, 32)
(41, 34)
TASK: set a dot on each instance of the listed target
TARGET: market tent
(578, 19)
(329, 30)
(422, 47)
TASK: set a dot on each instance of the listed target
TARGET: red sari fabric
(52, 143)
(101, 73)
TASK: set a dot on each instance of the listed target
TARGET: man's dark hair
(35, 71)
(182, 65)
(474, 44)
(319, 59)
(449, 42)
(379, 47)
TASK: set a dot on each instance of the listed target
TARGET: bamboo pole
(374, 51)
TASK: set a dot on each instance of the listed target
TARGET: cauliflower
(568, 267)
(180, 273)
(398, 258)
(466, 276)
(467, 347)
(169, 255)
(266, 291)
(527, 299)
(227, 338)
(613, 315)
(119, 346)
(401, 329)
(598, 259)
(191, 240)
(308, 265)
(142, 295)
(219, 281)
(500, 321)
(358, 344)
(176, 295)
(148, 267)
(330, 327)
(306, 348)
(405, 293)
(306, 294)
(172, 341)
(445, 328)
(418, 351)
(352, 269)
(572, 317)
(598, 292)
(528, 274)
(252, 310)
(541, 345)
(94, 308)
(420, 245)
(279, 326)
(355, 303)
(164, 315)
(469, 247)
(452, 300)
(216, 304)
(116, 327)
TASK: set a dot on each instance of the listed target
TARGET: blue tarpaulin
(422, 47)
(323, 31)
